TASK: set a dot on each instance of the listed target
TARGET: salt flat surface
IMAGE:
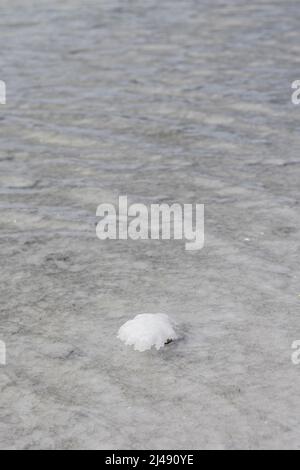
(173, 101)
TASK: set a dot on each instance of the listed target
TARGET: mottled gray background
(181, 100)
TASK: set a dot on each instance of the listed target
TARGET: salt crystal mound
(147, 330)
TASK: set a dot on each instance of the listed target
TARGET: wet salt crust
(147, 330)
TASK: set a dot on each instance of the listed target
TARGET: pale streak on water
(174, 101)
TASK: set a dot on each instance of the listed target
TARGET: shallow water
(175, 101)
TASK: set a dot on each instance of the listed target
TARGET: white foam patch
(147, 330)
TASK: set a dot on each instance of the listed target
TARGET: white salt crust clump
(147, 330)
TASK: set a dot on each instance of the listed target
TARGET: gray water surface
(164, 101)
